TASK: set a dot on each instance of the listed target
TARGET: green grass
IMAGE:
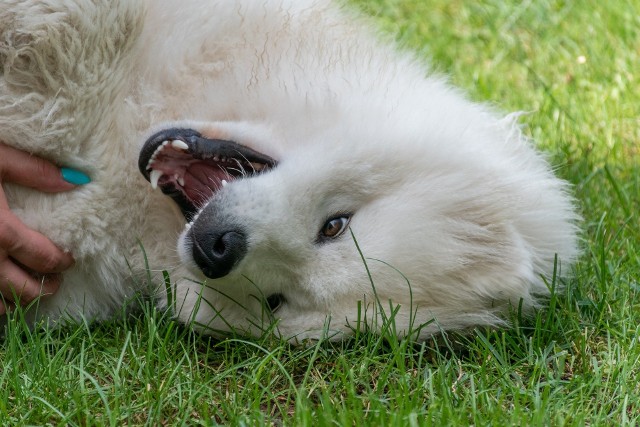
(574, 67)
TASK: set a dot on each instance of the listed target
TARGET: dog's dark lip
(199, 147)
(190, 168)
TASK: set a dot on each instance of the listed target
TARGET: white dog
(327, 180)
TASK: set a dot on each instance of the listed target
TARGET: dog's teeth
(216, 158)
(154, 178)
(180, 145)
(224, 183)
(158, 150)
(164, 143)
(180, 180)
(188, 226)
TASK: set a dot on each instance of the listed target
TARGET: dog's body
(455, 214)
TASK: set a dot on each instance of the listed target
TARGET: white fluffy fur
(456, 214)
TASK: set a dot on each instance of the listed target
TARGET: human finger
(30, 248)
(24, 169)
(20, 287)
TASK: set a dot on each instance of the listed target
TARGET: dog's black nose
(217, 249)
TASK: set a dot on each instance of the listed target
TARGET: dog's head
(330, 231)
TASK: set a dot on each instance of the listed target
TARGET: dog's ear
(57, 58)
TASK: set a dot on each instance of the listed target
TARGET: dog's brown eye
(334, 227)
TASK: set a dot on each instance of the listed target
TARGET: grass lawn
(574, 67)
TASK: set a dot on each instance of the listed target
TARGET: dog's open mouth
(191, 168)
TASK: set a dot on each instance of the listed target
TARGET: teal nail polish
(75, 176)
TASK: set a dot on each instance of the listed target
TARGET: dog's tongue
(201, 181)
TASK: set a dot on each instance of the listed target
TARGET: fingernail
(74, 176)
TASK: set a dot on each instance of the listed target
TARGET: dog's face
(323, 232)
(280, 225)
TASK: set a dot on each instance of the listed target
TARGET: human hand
(30, 264)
